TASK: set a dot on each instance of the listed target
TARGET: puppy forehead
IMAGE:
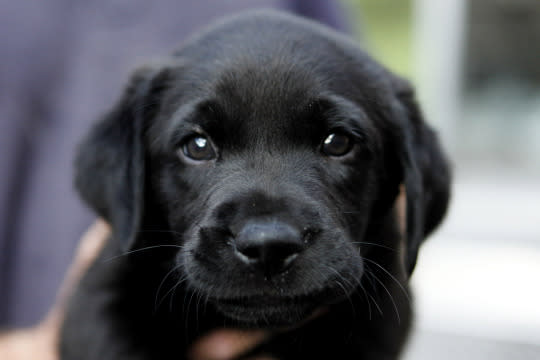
(258, 91)
(245, 100)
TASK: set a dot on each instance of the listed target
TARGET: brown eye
(199, 148)
(337, 144)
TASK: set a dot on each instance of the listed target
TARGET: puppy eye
(199, 148)
(337, 144)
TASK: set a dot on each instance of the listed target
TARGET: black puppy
(250, 182)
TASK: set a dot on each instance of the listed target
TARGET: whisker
(142, 249)
(346, 293)
(368, 274)
(156, 304)
(205, 297)
(171, 290)
(161, 232)
(367, 300)
(174, 288)
(373, 244)
(389, 295)
(391, 276)
(197, 298)
(192, 291)
(376, 305)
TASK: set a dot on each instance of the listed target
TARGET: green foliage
(385, 26)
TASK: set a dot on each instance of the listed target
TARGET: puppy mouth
(266, 311)
(274, 311)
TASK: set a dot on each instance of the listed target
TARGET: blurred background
(476, 67)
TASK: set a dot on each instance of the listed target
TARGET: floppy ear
(426, 172)
(110, 162)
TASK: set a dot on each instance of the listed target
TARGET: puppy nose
(272, 246)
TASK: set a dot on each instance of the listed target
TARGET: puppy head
(273, 149)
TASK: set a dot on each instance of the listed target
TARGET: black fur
(266, 89)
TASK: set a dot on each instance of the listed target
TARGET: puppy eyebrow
(342, 114)
(195, 117)
(207, 116)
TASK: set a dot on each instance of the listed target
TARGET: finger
(400, 209)
(226, 344)
(400, 206)
(91, 243)
(89, 247)
(26, 345)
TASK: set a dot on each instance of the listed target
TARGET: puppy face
(273, 151)
(272, 175)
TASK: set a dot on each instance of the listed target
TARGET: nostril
(251, 253)
(281, 250)
(289, 260)
(308, 235)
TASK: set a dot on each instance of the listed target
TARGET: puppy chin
(265, 314)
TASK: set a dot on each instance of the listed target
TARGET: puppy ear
(426, 172)
(110, 161)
